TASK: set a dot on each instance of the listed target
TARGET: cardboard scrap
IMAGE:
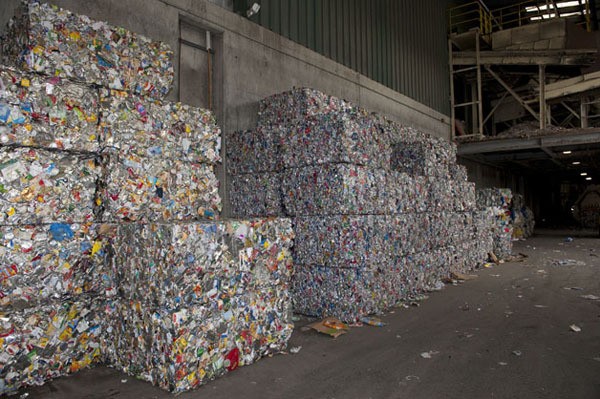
(330, 326)
(494, 258)
(462, 277)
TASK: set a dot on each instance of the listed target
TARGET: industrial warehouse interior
(299, 199)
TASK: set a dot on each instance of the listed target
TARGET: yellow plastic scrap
(96, 247)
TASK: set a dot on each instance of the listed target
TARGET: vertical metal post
(452, 110)
(209, 65)
(479, 94)
(474, 107)
(542, 80)
(584, 112)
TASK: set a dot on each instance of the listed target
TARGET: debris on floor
(566, 262)
(591, 297)
(372, 321)
(295, 349)
(463, 277)
(575, 328)
(429, 354)
(329, 326)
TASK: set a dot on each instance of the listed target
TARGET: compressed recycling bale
(333, 189)
(200, 299)
(47, 112)
(404, 193)
(57, 42)
(367, 241)
(292, 106)
(347, 294)
(149, 190)
(494, 197)
(181, 350)
(463, 195)
(254, 151)
(335, 138)
(484, 222)
(417, 159)
(176, 265)
(497, 202)
(342, 241)
(158, 129)
(40, 186)
(458, 172)
(439, 194)
(522, 217)
(256, 195)
(49, 341)
(53, 261)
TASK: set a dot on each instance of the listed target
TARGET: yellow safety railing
(469, 16)
(476, 15)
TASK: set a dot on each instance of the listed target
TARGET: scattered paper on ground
(429, 355)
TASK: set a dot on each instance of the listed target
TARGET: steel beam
(515, 144)
(512, 92)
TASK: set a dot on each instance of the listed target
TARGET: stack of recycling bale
(52, 247)
(522, 218)
(378, 214)
(109, 243)
(197, 298)
(494, 205)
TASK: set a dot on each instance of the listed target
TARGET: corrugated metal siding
(398, 43)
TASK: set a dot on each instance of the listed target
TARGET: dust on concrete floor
(505, 334)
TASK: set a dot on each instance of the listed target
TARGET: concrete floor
(504, 334)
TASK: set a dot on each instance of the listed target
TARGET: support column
(543, 113)
(452, 110)
(479, 94)
(584, 112)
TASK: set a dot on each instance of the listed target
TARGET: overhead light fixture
(566, 152)
(560, 4)
(576, 163)
(253, 10)
(588, 178)
(583, 173)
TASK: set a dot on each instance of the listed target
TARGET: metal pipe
(209, 64)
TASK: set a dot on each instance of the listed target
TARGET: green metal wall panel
(398, 43)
